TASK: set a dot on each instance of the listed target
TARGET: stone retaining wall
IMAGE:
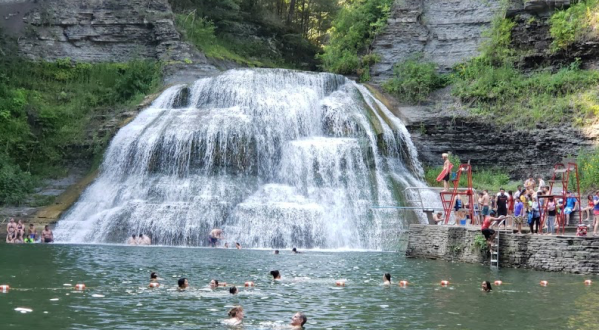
(578, 255)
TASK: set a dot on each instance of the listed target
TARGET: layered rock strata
(96, 31)
(445, 32)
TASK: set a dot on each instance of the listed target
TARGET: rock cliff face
(97, 30)
(446, 32)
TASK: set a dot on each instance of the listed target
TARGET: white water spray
(276, 158)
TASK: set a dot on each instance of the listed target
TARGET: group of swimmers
(486, 285)
(236, 313)
(15, 233)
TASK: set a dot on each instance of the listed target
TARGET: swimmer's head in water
(183, 283)
(276, 251)
(236, 312)
(294, 250)
(387, 277)
(133, 235)
(141, 235)
(153, 275)
(213, 283)
(275, 274)
(486, 286)
(233, 290)
(299, 319)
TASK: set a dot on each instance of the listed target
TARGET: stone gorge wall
(446, 32)
(95, 30)
(519, 152)
(578, 255)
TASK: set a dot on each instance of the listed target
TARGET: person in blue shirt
(519, 214)
(570, 206)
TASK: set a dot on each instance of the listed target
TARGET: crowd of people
(527, 204)
(236, 313)
(16, 233)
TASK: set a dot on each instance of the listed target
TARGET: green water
(37, 274)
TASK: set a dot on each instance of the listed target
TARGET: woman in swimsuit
(21, 228)
(589, 208)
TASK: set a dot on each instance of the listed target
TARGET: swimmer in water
(47, 235)
(387, 279)
(238, 246)
(294, 250)
(153, 277)
(276, 275)
(214, 284)
(233, 290)
(236, 316)
(276, 251)
(226, 245)
(486, 286)
(183, 284)
(298, 320)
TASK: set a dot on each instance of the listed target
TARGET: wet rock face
(96, 31)
(445, 32)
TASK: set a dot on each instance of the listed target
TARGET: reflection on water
(117, 296)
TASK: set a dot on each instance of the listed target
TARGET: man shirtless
(214, 236)
(47, 235)
(485, 200)
(132, 240)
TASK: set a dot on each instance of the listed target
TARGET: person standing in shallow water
(132, 240)
(47, 235)
(214, 236)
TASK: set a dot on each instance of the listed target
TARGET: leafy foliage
(588, 162)
(352, 32)
(525, 100)
(45, 108)
(413, 81)
(15, 184)
(270, 33)
(480, 243)
(574, 24)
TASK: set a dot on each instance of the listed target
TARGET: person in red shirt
(486, 227)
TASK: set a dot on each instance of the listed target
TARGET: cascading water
(276, 158)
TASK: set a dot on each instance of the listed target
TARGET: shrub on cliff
(413, 81)
(524, 100)
(47, 108)
(353, 30)
(576, 23)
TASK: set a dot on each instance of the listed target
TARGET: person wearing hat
(486, 227)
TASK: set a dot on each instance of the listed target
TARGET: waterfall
(276, 158)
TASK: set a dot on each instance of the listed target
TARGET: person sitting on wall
(438, 218)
